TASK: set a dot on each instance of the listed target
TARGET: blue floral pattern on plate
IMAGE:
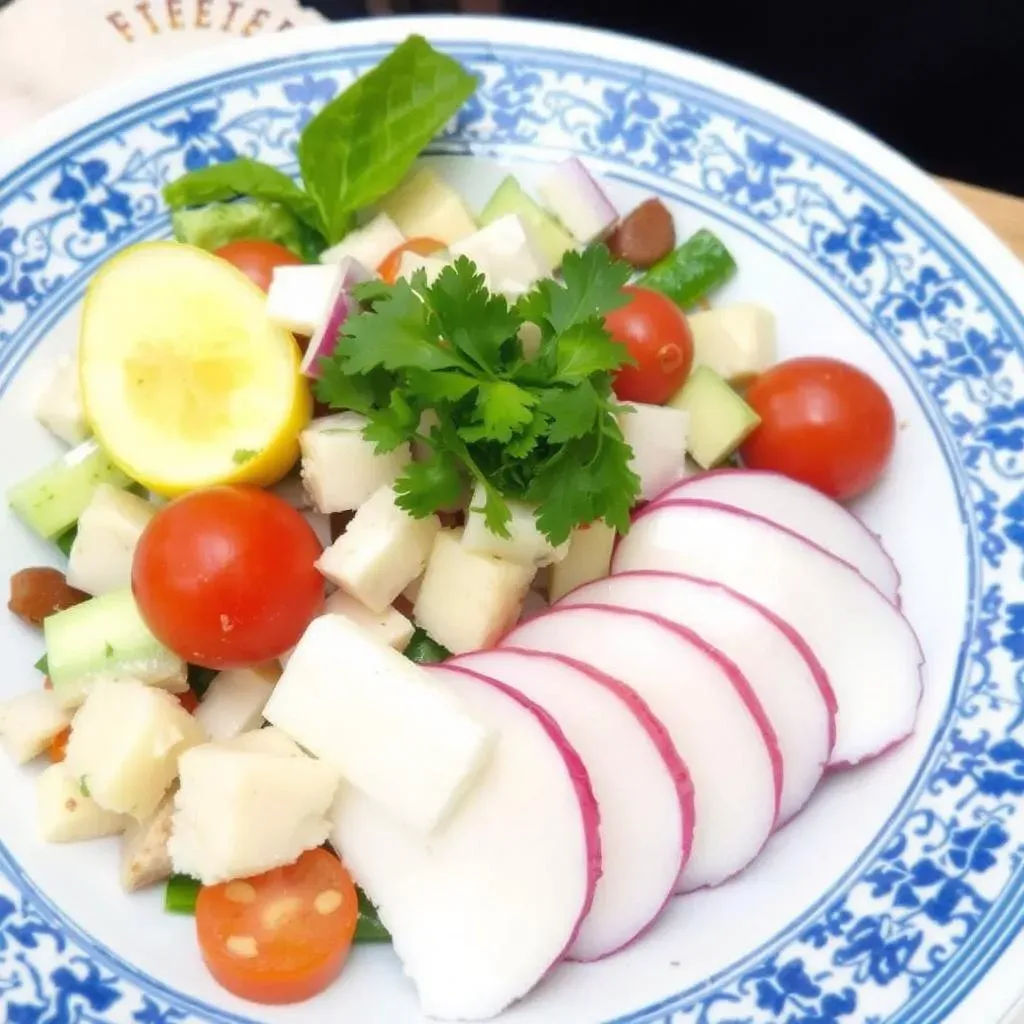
(938, 895)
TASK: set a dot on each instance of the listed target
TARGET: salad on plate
(469, 580)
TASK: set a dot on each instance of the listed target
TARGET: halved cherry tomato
(225, 577)
(658, 337)
(188, 700)
(59, 745)
(823, 422)
(421, 246)
(283, 936)
(257, 259)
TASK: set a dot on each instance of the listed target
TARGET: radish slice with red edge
(801, 509)
(325, 339)
(713, 718)
(483, 907)
(782, 670)
(868, 649)
(643, 790)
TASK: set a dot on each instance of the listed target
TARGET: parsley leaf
(542, 430)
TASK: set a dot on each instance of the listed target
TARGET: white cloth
(52, 51)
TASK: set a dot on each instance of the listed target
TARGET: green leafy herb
(241, 456)
(180, 894)
(66, 539)
(210, 227)
(83, 788)
(351, 153)
(43, 665)
(543, 430)
(368, 924)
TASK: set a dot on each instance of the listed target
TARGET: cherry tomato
(823, 422)
(658, 337)
(257, 259)
(283, 936)
(59, 745)
(422, 246)
(225, 577)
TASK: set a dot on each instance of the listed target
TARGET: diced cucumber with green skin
(720, 421)
(106, 636)
(66, 539)
(52, 500)
(181, 894)
(692, 271)
(422, 649)
(42, 665)
(509, 197)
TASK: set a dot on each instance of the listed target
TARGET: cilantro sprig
(541, 429)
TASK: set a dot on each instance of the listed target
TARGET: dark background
(941, 81)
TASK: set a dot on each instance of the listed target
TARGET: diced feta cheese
(381, 551)
(145, 859)
(525, 544)
(367, 245)
(390, 627)
(578, 201)
(737, 342)
(504, 253)
(658, 435)
(467, 601)
(28, 722)
(59, 408)
(589, 558)
(301, 296)
(413, 261)
(423, 206)
(234, 701)
(241, 812)
(66, 815)
(108, 531)
(393, 732)
(125, 744)
(340, 468)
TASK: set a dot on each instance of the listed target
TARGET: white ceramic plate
(898, 890)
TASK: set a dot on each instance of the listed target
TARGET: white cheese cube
(59, 408)
(65, 814)
(505, 254)
(737, 342)
(658, 435)
(28, 722)
(589, 558)
(423, 206)
(467, 601)
(381, 551)
(390, 626)
(301, 296)
(239, 813)
(234, 701)
(525, 544)
(413, 261)
(367, 245)
(339, 468)
(145, 859)
(108, 531)
(125, 744)
(393, 732)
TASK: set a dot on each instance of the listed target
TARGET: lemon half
(185, 381)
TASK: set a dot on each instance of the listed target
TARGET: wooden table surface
(1002, 213)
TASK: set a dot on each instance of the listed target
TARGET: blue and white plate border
(882, 944)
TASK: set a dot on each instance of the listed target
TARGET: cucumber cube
(549, 237)
(720, 421)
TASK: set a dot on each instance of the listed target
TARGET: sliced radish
(867, 648)
(709, 710)
(643, 790)
(801, 509)
(481, 909)
(780, 667)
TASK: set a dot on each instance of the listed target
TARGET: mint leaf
(243, 178)
(364, 142)
(212, 226)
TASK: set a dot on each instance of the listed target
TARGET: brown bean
(41, 591)
(644, 236)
